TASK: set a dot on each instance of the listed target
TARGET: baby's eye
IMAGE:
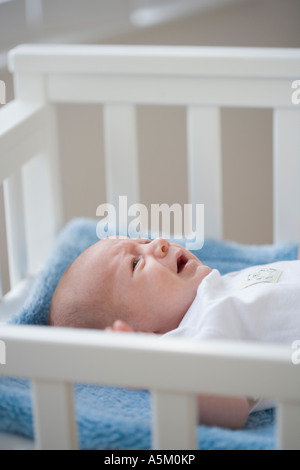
(135, 262)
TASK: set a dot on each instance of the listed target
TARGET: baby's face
(155, 282)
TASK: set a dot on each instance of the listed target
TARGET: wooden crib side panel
(221, 368)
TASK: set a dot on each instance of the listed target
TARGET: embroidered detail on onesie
(269, 275)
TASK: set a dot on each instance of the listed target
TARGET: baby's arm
(225, 412)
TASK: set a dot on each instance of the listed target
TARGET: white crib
(203, 80)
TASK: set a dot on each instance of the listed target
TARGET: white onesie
(260, 304)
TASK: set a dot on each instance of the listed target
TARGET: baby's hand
(120, 326)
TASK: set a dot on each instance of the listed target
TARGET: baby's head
(149, 285)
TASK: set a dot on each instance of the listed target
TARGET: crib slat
(4, 269)
(55, 425)
(174, 426)
(121, 154)
(205, 166)
(286, 175)
(15, 222)
(289, 426)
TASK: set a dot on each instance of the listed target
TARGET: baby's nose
(160, 247)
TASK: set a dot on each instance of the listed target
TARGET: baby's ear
(121, 326)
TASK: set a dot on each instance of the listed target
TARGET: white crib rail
(75, 356)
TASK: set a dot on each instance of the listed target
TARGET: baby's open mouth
(181, 262)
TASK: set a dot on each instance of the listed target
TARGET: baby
(148, 285)
(121, 284)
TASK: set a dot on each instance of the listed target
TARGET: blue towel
(115, 418)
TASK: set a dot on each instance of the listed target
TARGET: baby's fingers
(121, 326)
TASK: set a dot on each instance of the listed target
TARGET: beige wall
(246, 134)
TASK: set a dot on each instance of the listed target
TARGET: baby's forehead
(114, 243)
(119, 242)
(105, 249)
(102, 248)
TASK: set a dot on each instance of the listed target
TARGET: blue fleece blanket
(115, 418)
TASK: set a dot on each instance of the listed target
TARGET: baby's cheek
(195, 258)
